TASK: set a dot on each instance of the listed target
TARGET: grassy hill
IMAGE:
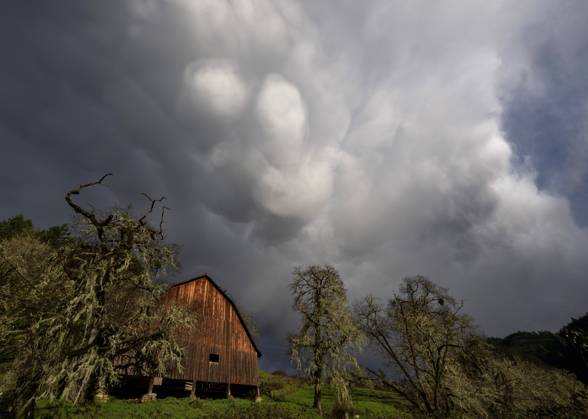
(283, 397)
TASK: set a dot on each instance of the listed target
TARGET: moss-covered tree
(77, 314)
(419, 331)
(323, 347)
(447, 370)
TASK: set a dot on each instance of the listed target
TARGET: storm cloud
(389, 139)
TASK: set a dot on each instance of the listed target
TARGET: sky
(386, 138)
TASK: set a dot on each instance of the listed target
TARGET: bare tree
(322, 348)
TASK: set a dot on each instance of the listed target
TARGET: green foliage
(544, 347)
(566, 349)
(15, 226)
(31, 285)
(55, 235)
(19, 226)
(532, 391)
(449, 371)
(327, 336)
(575, 336)
(420, 332)
(73, 316)
(488, 384)
(343, 404)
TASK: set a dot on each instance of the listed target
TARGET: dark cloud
(545, 103)
(386, 139)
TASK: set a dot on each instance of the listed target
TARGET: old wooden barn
(221, 350)
(220, 355)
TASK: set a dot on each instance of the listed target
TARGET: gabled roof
(205, 276)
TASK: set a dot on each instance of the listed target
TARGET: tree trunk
(318, 375)
(317, 396)
(99, 387)
(150, 387)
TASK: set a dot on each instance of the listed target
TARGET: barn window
(214, 358)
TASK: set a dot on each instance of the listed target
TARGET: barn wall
(218, 331)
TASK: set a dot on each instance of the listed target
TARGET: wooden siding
(219, 330)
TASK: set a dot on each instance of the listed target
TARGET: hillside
(283, 397)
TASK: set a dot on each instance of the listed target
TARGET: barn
(220, 355)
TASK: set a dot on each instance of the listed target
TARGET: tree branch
(142, 221)
(98, 225)
(380, 376)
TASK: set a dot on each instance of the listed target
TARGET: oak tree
(420, 331)
(323, 347)
(446, 369)
(81, 313)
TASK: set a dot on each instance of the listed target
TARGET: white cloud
(388, 145)
(217, 86)
(373, 140)
(282, 114)
(238, 27)
(296, 192)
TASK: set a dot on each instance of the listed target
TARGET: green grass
(368, 403)
(283, 397)
(173, 408)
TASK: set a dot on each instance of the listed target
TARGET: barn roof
(205, 276)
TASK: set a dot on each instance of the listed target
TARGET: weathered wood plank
(219, 331)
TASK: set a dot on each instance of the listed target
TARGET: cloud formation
(215, 86)
(387, 138)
